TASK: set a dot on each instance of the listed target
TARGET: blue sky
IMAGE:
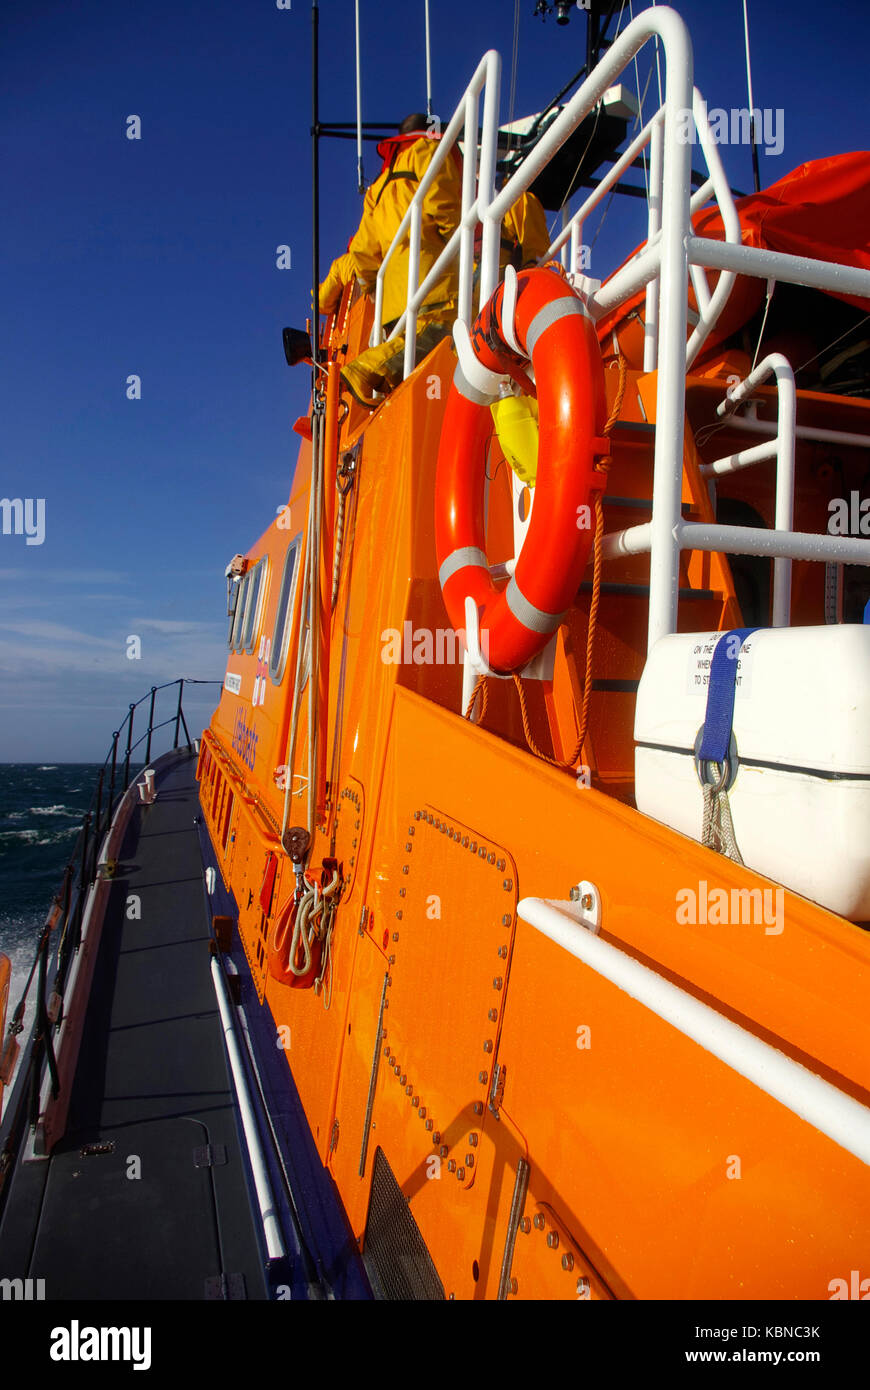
(157, 257)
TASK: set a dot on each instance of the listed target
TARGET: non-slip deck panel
(134, 1216)
(398, 1262)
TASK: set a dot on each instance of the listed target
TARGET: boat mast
(360, 174)
(315, 202)
(428, 62)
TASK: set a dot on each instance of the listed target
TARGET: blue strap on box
(716, 733)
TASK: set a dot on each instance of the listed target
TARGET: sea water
(41, 809)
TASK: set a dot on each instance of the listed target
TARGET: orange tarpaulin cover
(821, 209)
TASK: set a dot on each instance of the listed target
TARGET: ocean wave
(39, 837)
(56, 810)
(47, 767)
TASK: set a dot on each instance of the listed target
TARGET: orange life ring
(552, 328)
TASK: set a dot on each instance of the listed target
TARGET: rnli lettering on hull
(245, 739)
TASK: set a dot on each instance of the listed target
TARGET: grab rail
(831, 1111)
(782, 449)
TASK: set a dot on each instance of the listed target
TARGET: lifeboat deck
(147, 1194)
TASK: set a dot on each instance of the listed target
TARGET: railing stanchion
(44, 1024)
(178, 712)
(83, 875)
(111, 806)
(35, 1080)
(63, 925)
(150, 726)
(129, 743)
(97, 817)
(654, 226)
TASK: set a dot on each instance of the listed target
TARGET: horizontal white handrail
(777, 265)
(822, 436)
(783, 448)
(732, 463)
(275, 1248)
(741, 540)
(612, 176)
(756, 540)
(831, 1111)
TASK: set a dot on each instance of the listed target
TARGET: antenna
(315, 199)
(428, 62)
(752, 131)
(600, 15)
(360, 174)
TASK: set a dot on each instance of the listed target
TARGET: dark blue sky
(157, 257)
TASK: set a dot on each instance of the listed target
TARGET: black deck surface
(143, 1220)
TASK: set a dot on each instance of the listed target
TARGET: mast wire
(640, 101)
(658, 60)
(428, 62)
(360, 173)
(598, 109)
(752, 130)
(771, 286)
(514, 57)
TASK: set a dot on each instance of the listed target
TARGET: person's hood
(386, 148)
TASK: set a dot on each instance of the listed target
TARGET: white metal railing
(782, 542)
(663, 267)
(710, 305)
(465, 120)
(752, 425)
(782, 448)
(828, 1109)
(274, 1241)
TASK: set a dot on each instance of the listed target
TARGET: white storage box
(800, 800)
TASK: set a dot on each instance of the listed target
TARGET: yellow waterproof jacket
(524, 235)
(386, 202)
(341, 272)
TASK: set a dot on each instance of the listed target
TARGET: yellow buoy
(516, 426)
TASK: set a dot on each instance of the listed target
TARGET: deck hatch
(395, 1254)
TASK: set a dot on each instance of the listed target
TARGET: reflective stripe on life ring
(553, 329)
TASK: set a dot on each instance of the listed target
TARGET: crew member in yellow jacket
(406, 158)
(524, 236)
